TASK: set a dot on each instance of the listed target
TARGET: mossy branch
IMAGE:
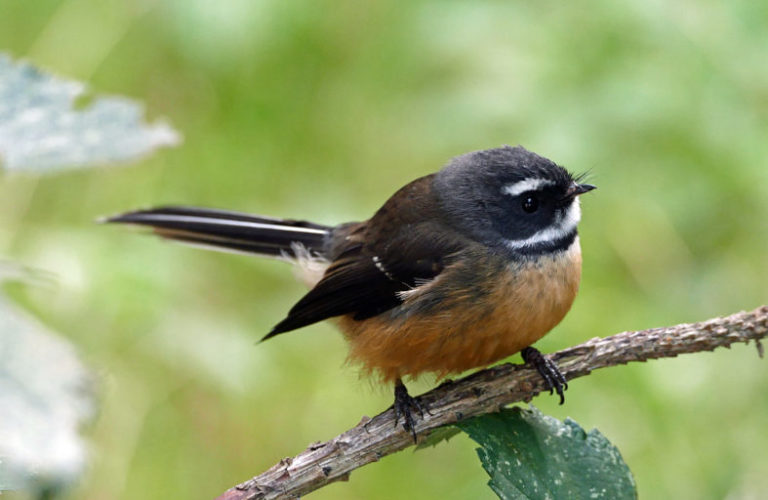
(487, 391)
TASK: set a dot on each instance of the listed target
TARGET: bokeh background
(320, 110)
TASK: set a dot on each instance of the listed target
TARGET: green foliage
(437, 436)
(317, 109)
(532, 456)
(46, 393)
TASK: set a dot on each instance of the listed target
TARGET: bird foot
(548, 370)
(404, 406)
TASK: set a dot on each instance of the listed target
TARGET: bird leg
(548, 370)
(404, 406)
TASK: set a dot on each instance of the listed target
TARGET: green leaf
(48, 123)
(437, 436)
(532, 456)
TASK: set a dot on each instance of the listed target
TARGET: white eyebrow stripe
(554, 232)
(520, 187)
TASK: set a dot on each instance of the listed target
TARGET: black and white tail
(232, 231)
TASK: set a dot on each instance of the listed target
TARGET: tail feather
(233, 231)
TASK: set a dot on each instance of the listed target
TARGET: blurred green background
(320, 110)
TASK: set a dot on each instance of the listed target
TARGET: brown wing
(403, 245)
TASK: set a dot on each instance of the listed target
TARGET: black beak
(578, 189)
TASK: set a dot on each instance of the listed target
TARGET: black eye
(530, 204)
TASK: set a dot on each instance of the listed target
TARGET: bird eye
(530, 204)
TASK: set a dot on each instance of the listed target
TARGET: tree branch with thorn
(485, 392)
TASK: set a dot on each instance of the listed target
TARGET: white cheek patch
(521, 187)
(558, 229)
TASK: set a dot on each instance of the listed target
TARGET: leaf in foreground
(533, 456)
(42, 129)
(45, 396)
(437, 436)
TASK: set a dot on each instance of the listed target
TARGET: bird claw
(553, 377)
(404, 406)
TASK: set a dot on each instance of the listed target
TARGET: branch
(488, 391)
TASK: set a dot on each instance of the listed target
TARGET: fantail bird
(457, 270)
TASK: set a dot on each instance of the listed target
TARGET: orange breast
(455, 323)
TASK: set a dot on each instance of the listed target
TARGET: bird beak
(578, 189)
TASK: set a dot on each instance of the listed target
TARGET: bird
(457, 270)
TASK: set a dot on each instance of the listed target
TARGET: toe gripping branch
(548, 371)
(404, 407)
